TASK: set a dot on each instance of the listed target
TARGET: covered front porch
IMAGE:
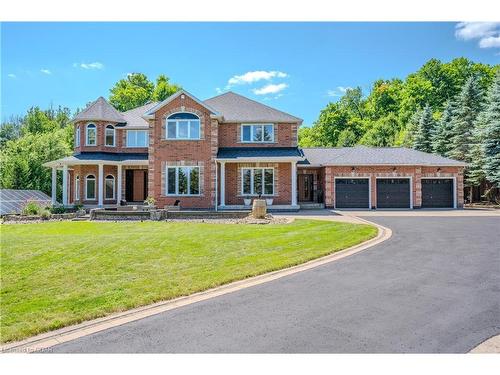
(100, 182)
(245, 174)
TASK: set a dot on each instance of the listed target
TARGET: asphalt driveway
(433, 287)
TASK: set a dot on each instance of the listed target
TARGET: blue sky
(295, 67)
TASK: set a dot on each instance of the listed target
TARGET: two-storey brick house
(213, 154)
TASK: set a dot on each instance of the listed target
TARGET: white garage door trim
(352, 178)
(400, 177)
(454, 178)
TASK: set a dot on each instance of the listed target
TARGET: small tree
(422, 141)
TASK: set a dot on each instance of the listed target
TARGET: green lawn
(60, 273)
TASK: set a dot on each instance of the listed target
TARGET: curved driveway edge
(492, 345)
(46, 340)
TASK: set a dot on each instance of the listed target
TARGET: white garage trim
(454, 178)
(399, 177)
(335, 178)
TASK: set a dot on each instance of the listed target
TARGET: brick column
(329, 190)
(417, 184)
(460, 189)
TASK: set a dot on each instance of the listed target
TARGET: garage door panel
(352, 193)
(393, 193)
(437, 193)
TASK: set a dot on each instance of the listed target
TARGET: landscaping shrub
(57, 209)
(31, 208)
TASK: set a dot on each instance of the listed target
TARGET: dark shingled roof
(133, 117)
(110, 156)
(237, 108)
(257, 152)
(362, 155)
(100, 110)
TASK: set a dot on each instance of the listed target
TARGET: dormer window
(183, 126)
(110, 136)
(257, 133)
(91, 135)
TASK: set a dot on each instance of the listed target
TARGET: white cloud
(89, 66)
(255, 76)
(270, 89)
(339, 91)
(11, 75)
(488, 33)
(46, 71)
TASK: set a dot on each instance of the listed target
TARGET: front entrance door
(136, 185)
(305, 182)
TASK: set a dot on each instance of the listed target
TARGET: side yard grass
(61, 273)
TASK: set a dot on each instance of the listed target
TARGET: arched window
(77, 188)
(91, 135)
(110, 136)
(183, 126)
(109, 189)
(77, 136)
(90, 187)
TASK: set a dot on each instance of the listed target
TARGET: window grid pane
(257, 181)
(247, 133)
(182, 180)
(91, 189)
(257, 133)
(171, 181)
(194, 129)
(268, 133)
(110, 187)
(268, 181)
(172, 130)
(194, 181)
(183, 129)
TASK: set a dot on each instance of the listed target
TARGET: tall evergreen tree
(443, 131)
(423, 136)
(491, 145)
(468, 106)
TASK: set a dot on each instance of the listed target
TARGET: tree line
(450, 109)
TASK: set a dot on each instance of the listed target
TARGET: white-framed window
(90, 187)
(137, 138)
(77, 136)
(77, 187)
(109, 187)
(183, 126)
(91, 135)
(257, 133)
(183, 180)
(109, 136)
(255, 181)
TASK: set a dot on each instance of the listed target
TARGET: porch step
(311, 206)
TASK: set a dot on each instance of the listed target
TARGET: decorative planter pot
(247, 201)
(259, 208)
(269, 201)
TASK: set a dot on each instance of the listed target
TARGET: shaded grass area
(61, 273)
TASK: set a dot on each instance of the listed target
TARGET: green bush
(45, 215)
(57, 209)
(78, 207)
(31, 208)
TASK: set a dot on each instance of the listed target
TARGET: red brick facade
(285, 135)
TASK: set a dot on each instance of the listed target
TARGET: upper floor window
(183, 126)
(91, 135)
(137, 138)
(257, 133)
(110, 136)
(77, 136)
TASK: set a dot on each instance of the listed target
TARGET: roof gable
(100, 110)
(237, 108)
(153, 110)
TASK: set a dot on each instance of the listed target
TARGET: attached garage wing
(393, 193)
(437, 193)
(352, 193)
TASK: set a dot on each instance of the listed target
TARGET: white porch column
(100, 188)
(54, 185)
(294, 183)
(119, 186)
(223, 183)
(65, 186)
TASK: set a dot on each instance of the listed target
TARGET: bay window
(183, 180)
(183, 126)
(257, 181)
(137, 138)
(91, 135)
(257, 133)
(110, 136)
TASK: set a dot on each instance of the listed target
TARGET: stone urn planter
(247, 201)
(259, 208)
(269, 201)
